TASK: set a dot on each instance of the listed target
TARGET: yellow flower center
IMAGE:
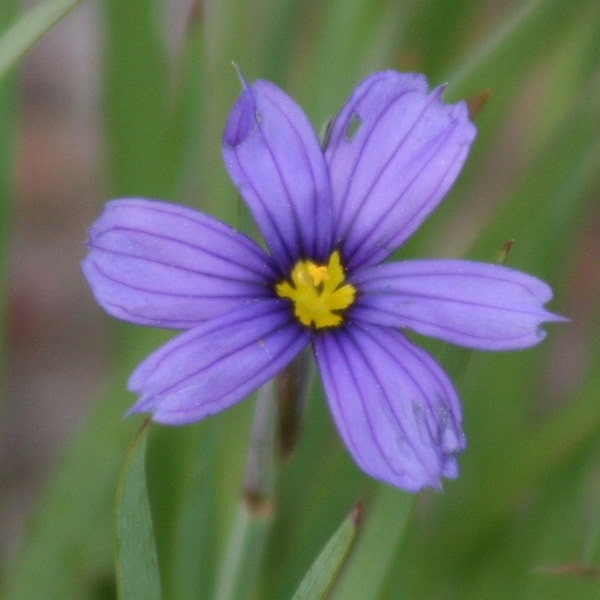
(318, 292)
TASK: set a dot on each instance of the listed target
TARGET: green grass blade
(185, 133)
(137, 565)
(374, 554)
(20, 37)
(135, 99)
(187, 520)
(324, 571)
(524, 34)
(246, 542)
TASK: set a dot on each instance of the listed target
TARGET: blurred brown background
(55, 347)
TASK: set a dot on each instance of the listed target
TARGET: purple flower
(328, 218)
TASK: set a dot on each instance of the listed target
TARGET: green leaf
(246, 542)
(324, 571)
(134, 99)
(137, 565)
(374, 554)
(525, 34)
(19, 38)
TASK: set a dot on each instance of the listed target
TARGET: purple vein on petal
(195, 373)
(232, 156)
(390, 410)
(473, 304)
(284, 184)
(258, 289)
(433, 427)
(239, 319)
(417, 217)
(263, 273)
(311, 224)
(279, 251)
(361, 204)
(432, 415)
(287, 209)
(105, 235)
(170, 318)
(323, 360)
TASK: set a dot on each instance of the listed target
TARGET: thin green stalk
(255, 511)
(19, 38)
(244, 548)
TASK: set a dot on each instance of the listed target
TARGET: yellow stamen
(318, 274)
(318, 292)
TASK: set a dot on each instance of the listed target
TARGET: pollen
(319, 293)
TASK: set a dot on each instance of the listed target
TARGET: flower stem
(255, 511)
(244, 549)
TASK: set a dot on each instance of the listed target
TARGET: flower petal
(275, 160)
(394, 407)
(163, 265)
(394, 151)
(478, 305)
(211, 367)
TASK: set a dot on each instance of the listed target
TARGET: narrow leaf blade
(373, 557)
(19, 38)
(324, 571)
(137, 564)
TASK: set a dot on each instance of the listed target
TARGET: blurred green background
(129, 99)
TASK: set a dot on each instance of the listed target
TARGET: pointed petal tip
(245, 116)
(439, 90)
(556, 318)
(240, 75)
(243, 119)
(475, 305)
